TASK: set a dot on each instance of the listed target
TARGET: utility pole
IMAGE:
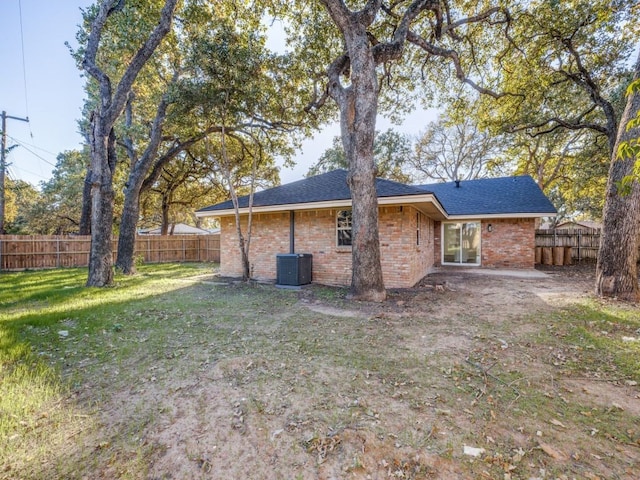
(3, 165)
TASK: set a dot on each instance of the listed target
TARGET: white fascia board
(499, 215)
(411, 199)
(278, 208)
(398, 200)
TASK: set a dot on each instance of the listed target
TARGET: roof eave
(502, 215)
(382, 201)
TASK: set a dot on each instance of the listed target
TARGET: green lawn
(51, 328)
(176, 373)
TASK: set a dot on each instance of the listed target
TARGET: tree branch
(139, 59)
(91, 50)
(455, 59)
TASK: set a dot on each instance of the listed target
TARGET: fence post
(579, 244)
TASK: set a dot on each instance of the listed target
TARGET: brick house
(481, 223)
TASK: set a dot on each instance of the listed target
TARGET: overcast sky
(48, 88)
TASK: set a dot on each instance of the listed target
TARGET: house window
(417, 229)
(461, 243)
(343, 228)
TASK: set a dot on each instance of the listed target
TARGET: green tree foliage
(60, 209)
(21, 198)
(564, 67)
(212, 72)
(246, 100)
(562, 75)
(392, 156)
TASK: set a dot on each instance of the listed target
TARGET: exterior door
(461, 243)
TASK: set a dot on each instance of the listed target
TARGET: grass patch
(242, 380)
(52, 330)
(600, 340)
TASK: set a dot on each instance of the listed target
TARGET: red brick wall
(270, 235)
(403, 262)
(437, 244)
(316, 234)
(511, 244)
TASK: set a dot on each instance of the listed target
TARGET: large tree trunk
(617, 271)
(102, 197)
(85, 216)
(128, 225)
(102, 138)
(139, 169)
(358, 103)
(358, 112)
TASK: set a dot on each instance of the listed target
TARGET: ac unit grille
(293, 268)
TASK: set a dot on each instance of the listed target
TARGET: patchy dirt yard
(470, 375)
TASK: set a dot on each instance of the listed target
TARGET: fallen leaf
(557, 423)
(552, 451)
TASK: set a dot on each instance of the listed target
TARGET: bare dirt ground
(469, 375)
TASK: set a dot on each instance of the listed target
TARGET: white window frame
(347, 215)
(459, 262)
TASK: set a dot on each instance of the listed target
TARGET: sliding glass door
(461, 243)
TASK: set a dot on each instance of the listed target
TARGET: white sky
(54, 91)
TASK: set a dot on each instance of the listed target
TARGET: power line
(23, 145)
(3, 152)
(24, 67)
(13, 167)
(22, 142)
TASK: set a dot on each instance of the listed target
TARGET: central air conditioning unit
(293, 268)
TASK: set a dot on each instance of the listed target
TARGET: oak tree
(617, 267)
(373, 36)
(113, 94)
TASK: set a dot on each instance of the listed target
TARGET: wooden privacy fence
(21, 252)
(562, 246)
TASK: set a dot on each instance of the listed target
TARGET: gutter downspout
(292, 231)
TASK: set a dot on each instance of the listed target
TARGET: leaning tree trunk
(617, 270)
(85, 216)
(139, 169)
(166, 203)
(128, 224)
(102, 139)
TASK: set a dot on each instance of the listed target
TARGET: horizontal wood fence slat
(21, 252)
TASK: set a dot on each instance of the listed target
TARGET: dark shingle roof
(485, 196)
(489, 196)
(320, 188)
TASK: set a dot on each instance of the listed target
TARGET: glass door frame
(457, 259)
